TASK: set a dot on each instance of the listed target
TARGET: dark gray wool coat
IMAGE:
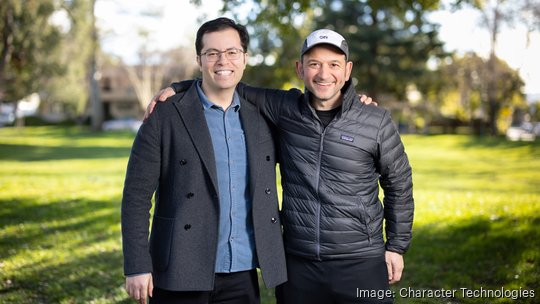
(173, 156)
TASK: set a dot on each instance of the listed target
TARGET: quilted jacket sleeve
(396, 181)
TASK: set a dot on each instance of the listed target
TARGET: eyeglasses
(213, 55)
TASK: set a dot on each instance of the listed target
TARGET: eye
(232, 52)
(212, 54)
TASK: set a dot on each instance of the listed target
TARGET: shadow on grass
(40, 153)
(477, 253)
(80, 280)
(40, 226)
(65, 236)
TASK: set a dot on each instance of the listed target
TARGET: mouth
(323, 84)
(224, 72)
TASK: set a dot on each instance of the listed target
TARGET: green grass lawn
(477, 221)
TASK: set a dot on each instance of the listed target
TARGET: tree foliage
(390, 42)
(69, 89)
(463, 90)
(495, 15)
(28, 41)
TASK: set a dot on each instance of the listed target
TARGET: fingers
(161, 97)
(144, 295)
(367, 100)
(394, 265)
(151, 288)
(134, 293)
(165, 93)
(139, 287)
(149, 109)
(397, 271)
(390, 271)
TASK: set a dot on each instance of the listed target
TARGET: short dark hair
(218, 25)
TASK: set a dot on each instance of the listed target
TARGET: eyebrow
(227, 49)
(331, 61)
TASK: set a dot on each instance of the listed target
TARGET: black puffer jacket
(330, 177)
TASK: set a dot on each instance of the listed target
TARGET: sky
(120, 21)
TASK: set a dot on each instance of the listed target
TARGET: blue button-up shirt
(236, 243)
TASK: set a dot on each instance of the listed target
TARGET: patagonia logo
(347, 137)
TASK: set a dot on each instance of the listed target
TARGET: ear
(246, 57)
(199, 63)
(348, 70)
(300, 70)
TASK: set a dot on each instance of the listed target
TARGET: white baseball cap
(326, 36)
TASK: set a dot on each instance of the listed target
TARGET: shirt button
(187, 227)
(273, 220)
(267, 157)
(183, 162)
(267, 191)
(190, 195)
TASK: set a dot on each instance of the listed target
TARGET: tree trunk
(95, 101)
(7, 46)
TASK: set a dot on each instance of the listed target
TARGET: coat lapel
(192, 113)
(250, 122)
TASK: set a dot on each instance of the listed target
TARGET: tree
(95, 101)
(157, 69)
(390, 42)
(495, 15)
(464, 87)
(28, 41)
(70, 89)
(277, 29)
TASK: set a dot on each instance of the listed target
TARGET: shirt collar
(207, 104)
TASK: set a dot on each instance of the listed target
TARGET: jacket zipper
(318, 205)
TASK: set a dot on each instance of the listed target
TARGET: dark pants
(229, 288)
(335, 281)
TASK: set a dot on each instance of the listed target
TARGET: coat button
(187, 227)
(190, 195)
(273, 220)
(183, 162)
(267, 157)
(267, 191)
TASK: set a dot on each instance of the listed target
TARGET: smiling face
(223, 75)
(324, 71)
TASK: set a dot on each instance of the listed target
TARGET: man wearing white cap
(334, 154)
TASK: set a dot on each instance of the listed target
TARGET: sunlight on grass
(477, 220)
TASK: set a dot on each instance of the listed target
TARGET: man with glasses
(210, 158)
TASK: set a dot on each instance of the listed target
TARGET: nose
(222, 58)
(323, 71)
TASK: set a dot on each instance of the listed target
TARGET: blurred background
(461, 78)
(450, 66)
